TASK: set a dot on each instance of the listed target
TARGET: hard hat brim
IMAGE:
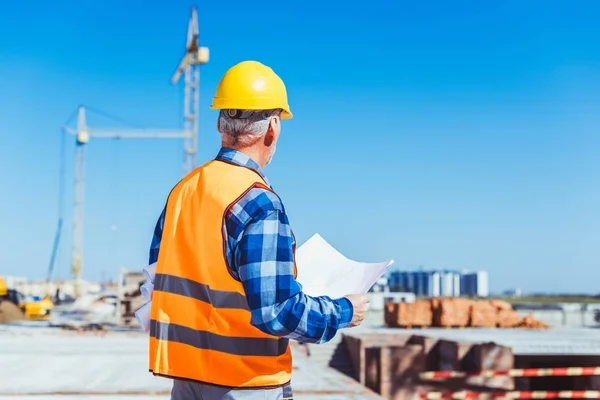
(285, 113)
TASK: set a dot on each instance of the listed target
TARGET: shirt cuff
(346, 312)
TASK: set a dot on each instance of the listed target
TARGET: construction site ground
(45, 363)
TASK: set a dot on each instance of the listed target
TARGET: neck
(254, 153)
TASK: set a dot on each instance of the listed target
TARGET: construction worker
(226, 300)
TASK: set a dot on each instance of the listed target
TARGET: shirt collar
(237, 157)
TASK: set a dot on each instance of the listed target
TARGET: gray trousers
(186, 390)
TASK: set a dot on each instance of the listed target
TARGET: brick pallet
(456, 313)
(409, 315)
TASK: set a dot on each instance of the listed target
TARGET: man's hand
(360, 303)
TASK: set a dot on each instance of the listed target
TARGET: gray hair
(244, 127)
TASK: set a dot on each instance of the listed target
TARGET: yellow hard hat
(251, 85)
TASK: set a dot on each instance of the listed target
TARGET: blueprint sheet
(324, 271)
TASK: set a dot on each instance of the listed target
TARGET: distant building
(400, 297)
(378, 299)
(475, 284)
(456, 284)
(450, 282)
(435, 285)
(439, 283)
(516, 292)
(41, 288)
(421, 283)
(14, 281)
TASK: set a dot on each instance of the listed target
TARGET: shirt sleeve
(156, 238)
(264, 262)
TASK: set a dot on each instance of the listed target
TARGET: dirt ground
(9, 312)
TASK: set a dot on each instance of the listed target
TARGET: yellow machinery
(38, 310)
(34, 310)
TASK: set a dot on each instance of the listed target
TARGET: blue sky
(462, 135)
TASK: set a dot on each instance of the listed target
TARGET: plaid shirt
(260, 252)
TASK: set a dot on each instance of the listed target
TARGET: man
(225, 298)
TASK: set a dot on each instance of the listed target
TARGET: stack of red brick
(457, 313)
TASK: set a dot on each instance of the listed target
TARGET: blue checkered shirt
(260, 252)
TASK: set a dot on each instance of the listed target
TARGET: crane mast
(78, 204)
(189, 66)
(195, 55)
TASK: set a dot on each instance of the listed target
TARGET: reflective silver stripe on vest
(199, 291)
(241, 346)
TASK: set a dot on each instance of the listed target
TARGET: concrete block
(489, 356)
(372, 373)
(353, 346)
(357, 343)
(400, 368)
(445, 356)
(393, 372)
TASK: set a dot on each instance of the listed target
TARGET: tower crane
(194, 56)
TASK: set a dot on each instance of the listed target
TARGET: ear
(218, 123)
(269, 137)
(275, 124)
(272, 131)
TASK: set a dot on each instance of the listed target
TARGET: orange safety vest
(200, 320)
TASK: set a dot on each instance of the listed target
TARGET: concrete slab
(41, 363)
(69, 362)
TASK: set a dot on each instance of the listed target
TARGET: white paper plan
(323, 271)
